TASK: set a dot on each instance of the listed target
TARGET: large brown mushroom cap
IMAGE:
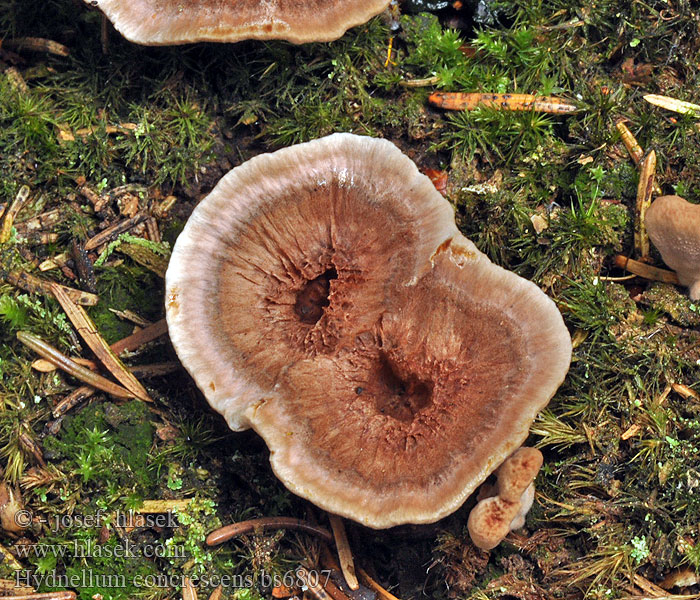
(673, 224)
(387, 363)
(165, 22)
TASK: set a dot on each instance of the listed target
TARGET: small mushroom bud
(673, 225)
(493, 517)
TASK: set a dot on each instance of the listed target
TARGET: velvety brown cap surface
(388, 364)
(673, 225)
(163, 22)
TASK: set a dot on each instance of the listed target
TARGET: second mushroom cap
(323, 296)
(163, 22)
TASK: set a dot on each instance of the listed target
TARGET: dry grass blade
(347, 565)
(470, 101)
(10, 213)
(645, 270)
(87, 330)
(644, 190)
(71, 367)
(679, 106)
(35, 285)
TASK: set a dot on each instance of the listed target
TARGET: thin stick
(519, 102)
(644, 190)
(630, 142)
(685, 391)
(645, 270)
(371, 583)
(224, 534)
(312, 584)
(141, 337)
(36, 285)
(71, 367)
(417, 83)
(87, 330)
(347, 565)
(37, 44)
(10, 213)
(73, 399)
(114, 231)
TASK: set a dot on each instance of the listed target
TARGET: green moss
(609, 506)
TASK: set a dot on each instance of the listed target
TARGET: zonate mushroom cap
(165, 22)
(323, 296)
(673, 225)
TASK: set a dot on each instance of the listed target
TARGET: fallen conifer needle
(679, 106)
(470, 101)
(71, 367)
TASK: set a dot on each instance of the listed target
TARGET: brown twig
(36, 285)
(50, 218)
(312, 584)
(644, 190)
(37, 45)
(645, 270)
(224, 534)
(630, 142)
(114, 231)
(71, 400)
(347, 564)
(141, 337)
(685, 391)
(29, 445)
(71, 367)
